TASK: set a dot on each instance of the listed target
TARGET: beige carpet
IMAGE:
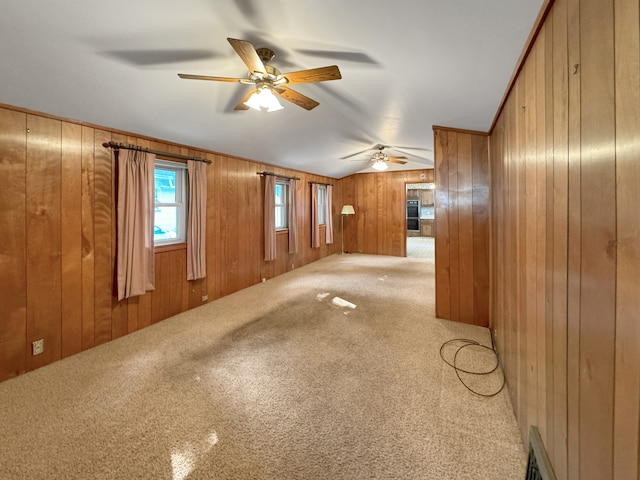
(274, 382)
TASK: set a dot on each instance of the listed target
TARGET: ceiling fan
(380, 158)
(269, 81)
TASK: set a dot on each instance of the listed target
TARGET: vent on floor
(538, 465)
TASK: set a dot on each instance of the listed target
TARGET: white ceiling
(406, 65)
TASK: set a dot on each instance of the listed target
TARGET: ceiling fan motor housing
(265, 54)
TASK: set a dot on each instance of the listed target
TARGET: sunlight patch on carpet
(182, 464)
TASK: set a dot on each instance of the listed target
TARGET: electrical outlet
(205, 298)
(292, 266)
(38, 346)
(264, 280)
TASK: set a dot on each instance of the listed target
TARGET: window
(170, 212)
(322, 205)
(282, 204)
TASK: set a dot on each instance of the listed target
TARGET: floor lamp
(346, 210)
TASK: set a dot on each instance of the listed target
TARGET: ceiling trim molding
(461, 130)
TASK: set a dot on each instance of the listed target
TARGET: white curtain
(292, 219)
(134, 264)
(329, 216)
(315, 227)
(197, 228)
(269, 218)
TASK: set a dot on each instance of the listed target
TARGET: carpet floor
(331, 371)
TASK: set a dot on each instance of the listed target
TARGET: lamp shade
(347, 210)
(380, 165)
(263, 97)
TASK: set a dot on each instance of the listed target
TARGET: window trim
(182, 199)
(322, 205)
(285, 205)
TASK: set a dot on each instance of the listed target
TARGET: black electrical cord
(472, 343)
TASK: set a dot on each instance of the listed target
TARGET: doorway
(420, 220)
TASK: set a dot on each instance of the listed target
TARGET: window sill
(170, 248)
(286, 230)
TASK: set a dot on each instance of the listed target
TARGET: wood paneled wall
(565, 249)
(379, 225)
(462, 225)
(57, 224)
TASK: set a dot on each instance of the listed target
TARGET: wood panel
(213, 227)
(540, 261)
(442, 209)
(627, 335)
(13, 292)
(574, 246)
(103, 238)
(579, 343)
(44, 308)
(88, 237)
(466, 230)
(598, 261)
(223, 207)
(462, 225)
(530, 222)
(559, 185)
(546, 124)
(454, 227)
(232, 252)
(520, 300)
(481, 226)
(71, 239)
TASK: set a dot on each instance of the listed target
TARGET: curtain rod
(277, 175)
(321, 183)
(116, 146)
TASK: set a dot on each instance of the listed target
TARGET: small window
(282, 204)
(170, 212)
(322, 205)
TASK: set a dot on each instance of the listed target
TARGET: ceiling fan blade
(248, 54)
(146, 58)
(398, 157)
(357, 57)
(297, 98)
(411, 154)
(313, 75)
(241, 105)
(354, 154)
(396, 160)
(393, 147)
(206, 77)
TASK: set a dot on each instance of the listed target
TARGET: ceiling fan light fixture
(380, 165)
(263, 97)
